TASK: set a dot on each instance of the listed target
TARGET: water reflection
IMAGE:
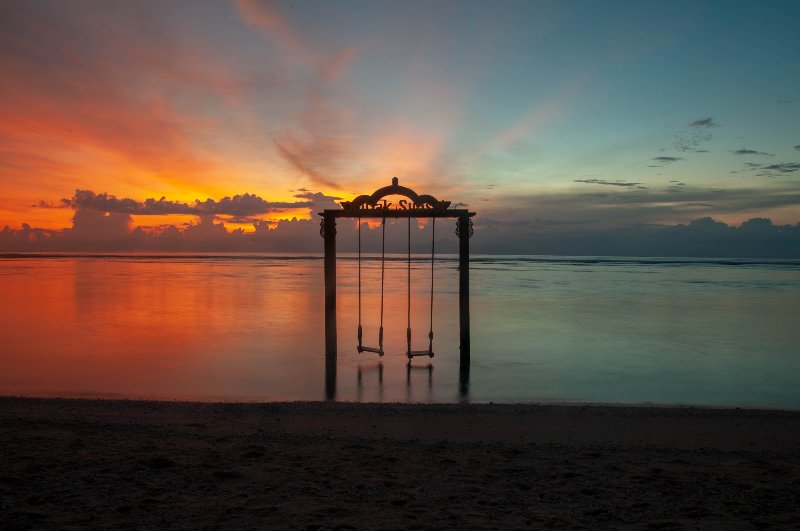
(369, 371)
(370, 377)
(330, 377)
(252, 329)
(463, 381)
(417, 369)
(190, 329)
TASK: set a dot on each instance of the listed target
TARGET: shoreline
(128, 463)
(256, 401)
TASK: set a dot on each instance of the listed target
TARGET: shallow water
(544, 329)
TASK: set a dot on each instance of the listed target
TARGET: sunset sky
(583, 114)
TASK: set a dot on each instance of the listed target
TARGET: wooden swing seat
(414, 353)
(378, 351)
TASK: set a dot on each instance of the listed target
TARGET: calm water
(543, 329)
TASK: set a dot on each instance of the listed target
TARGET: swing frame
(376, 207)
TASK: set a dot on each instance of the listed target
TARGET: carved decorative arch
(373, 201)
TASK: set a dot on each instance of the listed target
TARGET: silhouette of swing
(361, 347)
(412, 353)
(379, 349)
(376, 206)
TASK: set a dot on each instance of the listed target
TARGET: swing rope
(433, 258)
(361, 347)
(383, 268)
(408, 284)
(359, 286)
(411, 353)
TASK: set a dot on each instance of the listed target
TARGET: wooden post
(463, 289)
(329, 233)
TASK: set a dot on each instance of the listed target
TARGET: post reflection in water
(368, 375)
(330, 377)
(361, 371)
(417, 369)
(463, 382)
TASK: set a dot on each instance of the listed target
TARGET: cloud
(303, 155)
(320, 201)
(246, 205)
(667, 160)
(63, 203)
(666, 205)
(107, 88)
(668, 221)
(750, 152)
(318, 142)
(99, 227)
(94, 230)
(703, 123)
(607, 183)
(700, 237)
(316, 137)
(691, 141)
(243, 205)
(697, 135)
(777, 170)
(310, 195)
(262, 15)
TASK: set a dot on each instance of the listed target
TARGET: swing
(412, 353)
(361, 347)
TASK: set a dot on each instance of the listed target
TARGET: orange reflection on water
(156, 328)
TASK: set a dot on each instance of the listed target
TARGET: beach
(323, 465)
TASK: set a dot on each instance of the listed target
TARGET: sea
(544, 329)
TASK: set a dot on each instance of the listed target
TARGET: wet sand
(129, 464)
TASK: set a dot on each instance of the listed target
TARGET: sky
(167, 123)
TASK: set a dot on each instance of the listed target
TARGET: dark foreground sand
(86, 463)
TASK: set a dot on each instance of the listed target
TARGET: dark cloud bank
(96, 231)
(239, 205)
(103, 223)
(703, 237)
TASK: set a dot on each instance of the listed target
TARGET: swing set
(374, 206)
(379, 349)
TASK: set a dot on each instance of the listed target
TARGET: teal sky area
(581, 114)
(533, 97)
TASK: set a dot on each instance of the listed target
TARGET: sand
(128, 464)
